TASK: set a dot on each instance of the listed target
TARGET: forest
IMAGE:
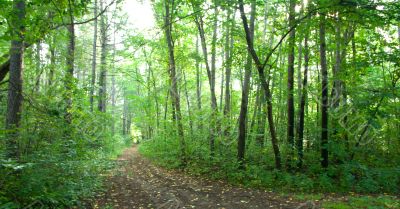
(289, 103)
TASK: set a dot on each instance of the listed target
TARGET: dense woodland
(294, 96)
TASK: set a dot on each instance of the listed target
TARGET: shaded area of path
(137, 183)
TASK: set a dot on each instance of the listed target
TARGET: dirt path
(139, 184)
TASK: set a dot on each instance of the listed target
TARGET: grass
(351, 201)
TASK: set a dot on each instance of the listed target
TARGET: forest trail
(137, 183)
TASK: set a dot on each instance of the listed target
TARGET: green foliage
(368, 202)
(341, 178)
(56, 171)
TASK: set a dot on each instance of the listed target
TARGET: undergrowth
(259, 173)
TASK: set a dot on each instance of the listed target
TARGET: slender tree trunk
(303, 100)
(198, 76)
(94, 57)
(245, 96)
(15, 96)
(214, 55)
(290, 83)
(188, 103)
(256, 111)
(261, 119)
(222, 85)
(52, 62)
(39, 69)
(103, 63)
(69, 76)
(156, 99)
(211, 80)
(124, 115)
(113, 83)
(336, 89)
(265, 85)
(324, 93)
(198, 87)
(228, 67)
(174, 80)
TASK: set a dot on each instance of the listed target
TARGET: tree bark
(324, 92)
(94, 57)
(39, 69)
(52, 62)
(211, 79)
(303, 99)
(103, 63)
(245, 96)
(174, 80)
(69, 76)
(228, 66)
(15, 95)
(290, 83)
(188, 103)
(113, 81)
(260, 68)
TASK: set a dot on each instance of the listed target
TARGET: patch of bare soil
(137, 183)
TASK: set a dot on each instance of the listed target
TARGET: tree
(245, 94)
(303, 99)
(15, 94)
(290, 82)
(260, 68)
(70, 61)
(324, 92)
(210, 71)
(174, 81)
(94, 57)
(103, 63)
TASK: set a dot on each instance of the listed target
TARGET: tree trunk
(39, 69)
(198, 84)
(188, 103)
(265, 85)
(290, 83)
(174, 80)
(303, 99)
(94, 57)
(324, 93)
(15, 96)
(336, 89)
(103, 63)
(245, 96)
(113, 83)
(222, 84)
(211, 79)
(69, 76)
(228, 67)
(125, 113)
(52, 62)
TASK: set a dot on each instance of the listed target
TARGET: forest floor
(137, 183)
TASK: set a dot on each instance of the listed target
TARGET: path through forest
(137, 183)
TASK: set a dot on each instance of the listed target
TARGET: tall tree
(265, 84)
(94, 57)
(15, 95)
(228, 62)
(303, 98)
(103, 62)
(210, 72)
(324, 91)
(174, 80)
(290, 82)
(245, 95)
(69, 76)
